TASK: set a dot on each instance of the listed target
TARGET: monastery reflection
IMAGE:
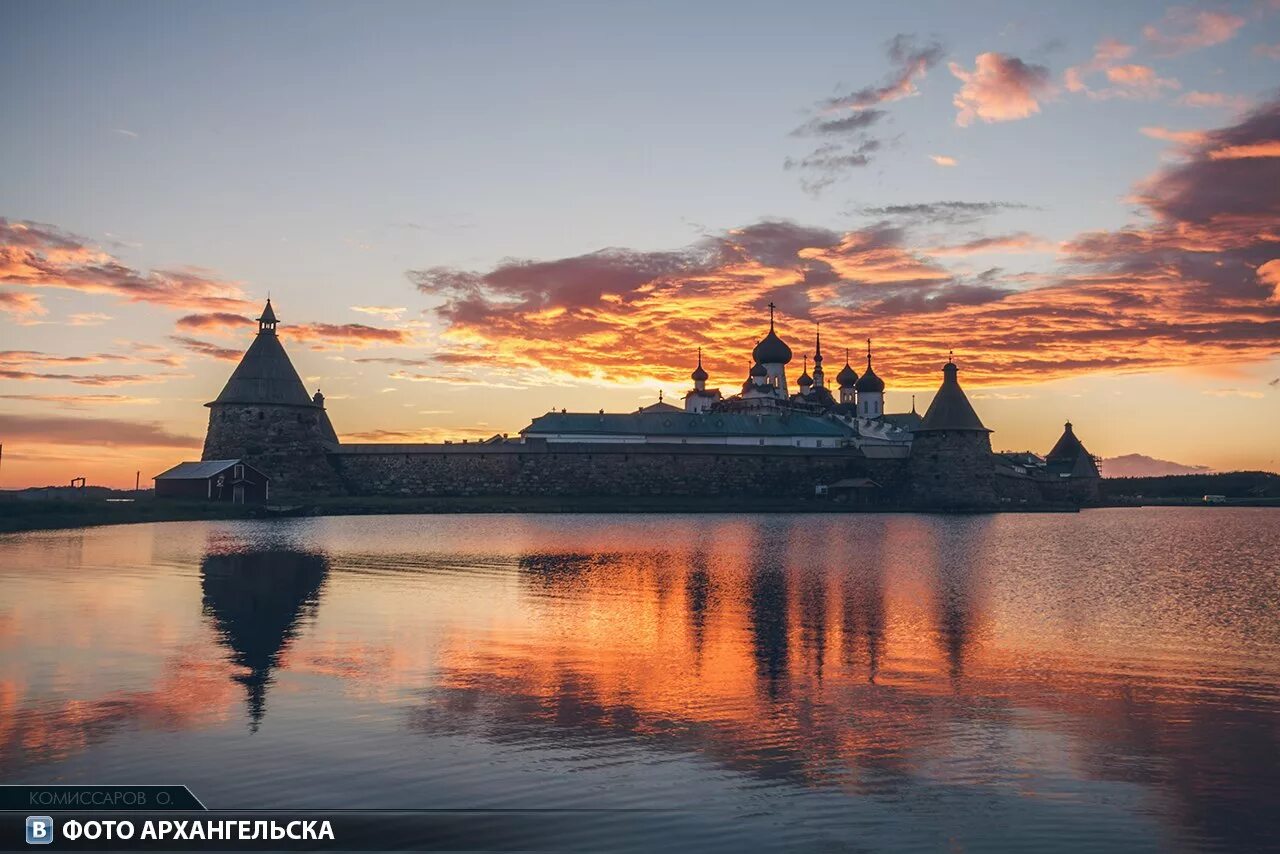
(257, 600)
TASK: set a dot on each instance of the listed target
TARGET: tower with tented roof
(951, 466)
(265, 416)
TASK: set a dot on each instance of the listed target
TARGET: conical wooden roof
(265, 375)
(951, 409)
(1068, 447)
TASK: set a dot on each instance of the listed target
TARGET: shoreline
(36, 515)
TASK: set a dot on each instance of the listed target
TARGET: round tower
(265, 417)
(951, 466)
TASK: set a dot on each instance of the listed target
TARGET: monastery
(813, 443)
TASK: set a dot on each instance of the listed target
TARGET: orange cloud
(1268, 148)
(1019, 242)
(21, 306)
(942, 159)
(81, 401)
(1182, 137)
(1185, 286)
(999, 89)
(42, 256)
(1269, 274)
(1184, 29)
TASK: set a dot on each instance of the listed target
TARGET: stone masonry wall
(952, 470)
(287, 443)
(584, 470)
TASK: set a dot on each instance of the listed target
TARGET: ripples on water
(863, 682)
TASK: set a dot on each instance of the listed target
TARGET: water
(885, 682)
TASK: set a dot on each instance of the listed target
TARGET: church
(764, 412)
(765, 441)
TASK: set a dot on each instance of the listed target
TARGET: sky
(467, 214)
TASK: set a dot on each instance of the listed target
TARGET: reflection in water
(257, 599)
(957, 562)
(899, 681)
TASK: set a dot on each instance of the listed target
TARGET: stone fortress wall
(586, 469)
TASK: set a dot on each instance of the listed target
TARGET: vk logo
(39, 830)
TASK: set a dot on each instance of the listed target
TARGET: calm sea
(886, 682)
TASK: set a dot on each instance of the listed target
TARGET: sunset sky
(466, 214)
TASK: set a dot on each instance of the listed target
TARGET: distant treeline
(1234, 484)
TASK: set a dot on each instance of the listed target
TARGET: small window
(238, 473)
(261, 415)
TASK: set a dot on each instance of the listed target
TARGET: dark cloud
(825, 165)
(1214, 187)
(820, 126)
(846, 119)
(33, 357)
(213, 320)
(205, 348)
(84, 379)
(910, 60)
(948, 212)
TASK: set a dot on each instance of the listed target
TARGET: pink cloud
(1137, 81)
(1182, 137)
(1106, 53)
(1184, 29)
(1214, 99)
(999, 89)
(21, 306)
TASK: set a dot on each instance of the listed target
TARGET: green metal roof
(685, 424)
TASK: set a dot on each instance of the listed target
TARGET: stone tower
(265, 416)
(1073, 471)
(951, 466)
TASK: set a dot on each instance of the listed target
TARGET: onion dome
(699, 375)
(848, 377)
(805, 380)
(869, 382)
(759, 370)
(772, 350)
